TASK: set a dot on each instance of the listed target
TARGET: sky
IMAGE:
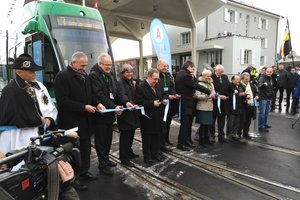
(289, 8)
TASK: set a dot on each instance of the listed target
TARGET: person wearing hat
(25, 106)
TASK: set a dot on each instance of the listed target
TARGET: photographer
(25, 106)
(66, 174)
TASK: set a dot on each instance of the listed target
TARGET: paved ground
(274, 158)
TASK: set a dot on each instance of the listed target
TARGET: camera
(37, 177)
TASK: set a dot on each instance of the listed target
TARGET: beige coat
(204, 103)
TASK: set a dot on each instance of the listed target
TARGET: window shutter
(253, 57)
(259, 22)
(267, 24)
(266, 43)
(236, 17)
(242, 56)
(226, 15)
(265, 60)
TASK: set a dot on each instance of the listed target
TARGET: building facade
(236, 35)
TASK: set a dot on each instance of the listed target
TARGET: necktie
(220, 79)
(153, 88)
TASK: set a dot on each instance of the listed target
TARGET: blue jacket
(297, 90)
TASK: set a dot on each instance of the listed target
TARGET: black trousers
(185, 130)
(151, 145)
(165, 132)
(85, 153)
(233, 124)
(125, 144)
(221, 123)
(281, 91)
(103, 140)
(275, 96)
(294, 105)
(246, 119)
(289, 91)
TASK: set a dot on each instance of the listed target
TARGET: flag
(286, 45)
(96, 4)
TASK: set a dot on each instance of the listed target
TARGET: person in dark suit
(185, 87)
(166, 82)
(248, 92)
(222, 88)
(74, 99)
(129, 120)
(150, 95)
(104, 92)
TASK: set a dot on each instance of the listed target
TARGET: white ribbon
(234, 101)
(166, 111)
(219, 103)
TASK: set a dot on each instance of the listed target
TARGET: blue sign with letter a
(160, 41)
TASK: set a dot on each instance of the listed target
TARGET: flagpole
(288, 24)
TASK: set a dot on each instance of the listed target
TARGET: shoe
(106, 170)
(223, 140)
(88, 177)
(149, 161)
(158, 158)
(133, 155)
(202, 143)
(166, 149)
(183, 147)
(169, 143)
(247, 137)
(78, 185)
(189, 144)
(111, 163)
(127, 163)
(267, 126)
(263, 130)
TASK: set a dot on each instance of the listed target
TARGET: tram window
(50, 64)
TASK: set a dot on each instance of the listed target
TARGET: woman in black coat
(129, 120)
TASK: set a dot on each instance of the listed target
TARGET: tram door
(34, 46)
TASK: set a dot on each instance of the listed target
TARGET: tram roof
(131, 19)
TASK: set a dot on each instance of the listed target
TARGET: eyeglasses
(108, 65)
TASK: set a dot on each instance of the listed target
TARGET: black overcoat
(72, 93)
(145, 96)
(185, 86)
(129, 119)
(101, 94)
(221, 89)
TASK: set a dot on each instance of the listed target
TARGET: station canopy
(130, 19)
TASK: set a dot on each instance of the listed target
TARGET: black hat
(25, 62)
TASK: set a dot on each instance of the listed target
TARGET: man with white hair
(104, 92)
(221, 109)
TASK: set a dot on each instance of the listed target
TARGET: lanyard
(165, 79)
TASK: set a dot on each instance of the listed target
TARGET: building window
(262, 23)
(186, 38)
(216, 57)
(263, 60)
(230, 15)
(240, 15)
(264, 43)
(247, 57)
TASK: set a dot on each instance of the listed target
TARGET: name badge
(166, 89)
(111, 96)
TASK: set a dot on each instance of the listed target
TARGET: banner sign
(160, 41)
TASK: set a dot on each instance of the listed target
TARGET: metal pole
(7, 70)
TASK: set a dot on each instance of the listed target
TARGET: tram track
(169, 188)
(230, 174)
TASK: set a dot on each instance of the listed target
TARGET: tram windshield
(73, 33)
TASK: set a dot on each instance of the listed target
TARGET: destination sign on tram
(78, 22)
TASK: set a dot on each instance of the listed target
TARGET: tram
(51, 31)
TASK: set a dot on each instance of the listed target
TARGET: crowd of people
(93, 102)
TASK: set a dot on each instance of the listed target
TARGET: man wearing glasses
(104, 92)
